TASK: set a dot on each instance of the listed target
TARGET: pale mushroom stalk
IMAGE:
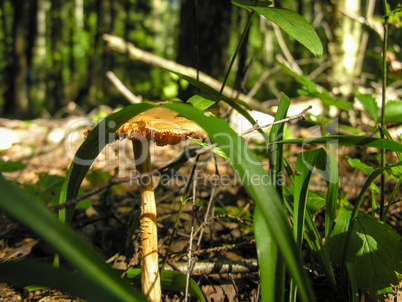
(164, 127)
(150, 279)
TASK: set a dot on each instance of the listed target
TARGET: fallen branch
(219, 267)
(133, 99)
(119, 45)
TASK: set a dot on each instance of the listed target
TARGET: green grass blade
(172, 280)
(28, 272)
(269, 259)
(306, 161)
(23, 208)
(314, 241)
(347, 140)
(332, 195)
(263, 193)
(97, 139)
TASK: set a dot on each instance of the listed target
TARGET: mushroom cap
(161, 125)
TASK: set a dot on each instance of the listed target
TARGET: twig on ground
(218, 267)
(216, 249)
(256, 127)
(237, 219)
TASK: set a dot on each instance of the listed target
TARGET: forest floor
(46, 148)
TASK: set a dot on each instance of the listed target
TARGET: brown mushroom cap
(161, 125)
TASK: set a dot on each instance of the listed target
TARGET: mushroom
(162, 126)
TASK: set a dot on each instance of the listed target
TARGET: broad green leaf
(203, 102)
(172, 280)
(315, 201)
(216, 150)
(294, 25)
(11, 166)
(28, 272)
(263, 192)
(373, 249)
(393, 112)
(243, 3)
(347, 140)
(269, 259)
(20, 206)
(369, 104)
(356, 163)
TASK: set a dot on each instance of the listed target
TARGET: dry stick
(285, 120)
(219, 267)
(210, 203)
(216, 249)
(119, 45)
(238, 219)
(133, 99)
(190, 262)
(257, 127)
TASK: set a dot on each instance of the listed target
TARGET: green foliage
(393, 112)
(72, 247)
(11, 166)
(373, 250)
(292, 23)
(311, 89)
(171, 280)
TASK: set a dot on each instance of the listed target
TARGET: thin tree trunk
(204, 37)
(16, 103)
(31, 38)
(344, 49)
(55, 79)
(43, 7)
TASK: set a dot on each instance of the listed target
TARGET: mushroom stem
(150, 279)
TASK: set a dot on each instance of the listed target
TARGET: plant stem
(244, 34)
(150, 279)
(384, 97)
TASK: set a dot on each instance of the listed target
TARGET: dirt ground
(47, 147)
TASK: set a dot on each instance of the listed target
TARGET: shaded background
(52, 53)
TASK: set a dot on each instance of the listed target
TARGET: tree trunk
(345, 47)
(16, 103)
(204, 37)
(55, 79)
(43, 7)
(32, 33)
